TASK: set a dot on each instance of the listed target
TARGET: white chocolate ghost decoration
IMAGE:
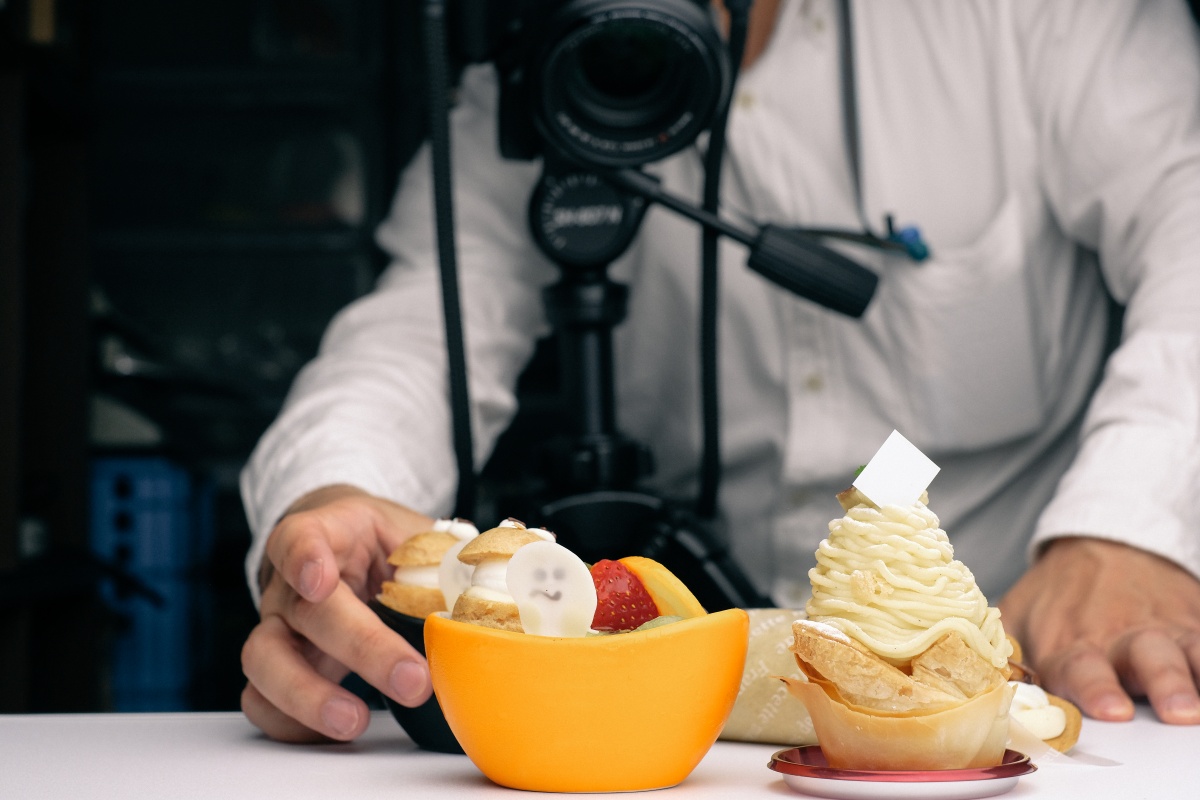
(553, 590)
(454, 576)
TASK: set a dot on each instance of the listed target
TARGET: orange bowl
(624, 712)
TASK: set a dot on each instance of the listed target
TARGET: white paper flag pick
(897, 474)
(553, 590)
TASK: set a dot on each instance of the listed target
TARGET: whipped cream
(458, 528)
(425, 577)
(887, 577)
(489, 581)
(1031, 707)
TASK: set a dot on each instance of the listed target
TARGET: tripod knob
(581, 220)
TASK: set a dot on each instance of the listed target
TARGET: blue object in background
(153, 520)
(910, 239)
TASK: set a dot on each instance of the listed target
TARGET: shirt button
(745, 100)
(814, 383)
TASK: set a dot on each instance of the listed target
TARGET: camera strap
(710, 459)
(850, 123)
(908, 238)
(439, 145)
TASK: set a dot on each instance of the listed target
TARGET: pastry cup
(970, 735)
(623, 712)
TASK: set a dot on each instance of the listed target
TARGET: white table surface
(220, 755)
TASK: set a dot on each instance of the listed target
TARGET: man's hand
(1102, 622)
(324, 559)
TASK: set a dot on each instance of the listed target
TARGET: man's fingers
(352, 634)
(289, 684)
(1156, 664)
(1084, 675)
(1150, 662)
(1190, 642)
(349, 537)
(327, 554)
(273, 722)
(301, 550)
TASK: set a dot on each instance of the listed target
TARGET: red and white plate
(805, 770)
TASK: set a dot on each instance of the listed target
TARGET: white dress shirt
(1048, 152)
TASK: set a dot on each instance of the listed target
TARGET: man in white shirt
(1050, 153)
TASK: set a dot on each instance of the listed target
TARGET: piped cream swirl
(888, 578)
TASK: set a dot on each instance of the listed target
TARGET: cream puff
(415, 589)
(487, 600)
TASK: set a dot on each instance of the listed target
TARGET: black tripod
(593, 474)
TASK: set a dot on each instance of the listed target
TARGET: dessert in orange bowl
(617, 680)
(616, 713)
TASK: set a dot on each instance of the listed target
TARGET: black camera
(609, 83)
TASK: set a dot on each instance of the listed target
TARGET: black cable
(443, 204)
(710, 463)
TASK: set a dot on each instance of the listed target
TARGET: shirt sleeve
(371, 409)
(1116, 91)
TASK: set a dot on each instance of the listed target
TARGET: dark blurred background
(187, 194)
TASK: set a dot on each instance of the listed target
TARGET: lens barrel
(619, 83)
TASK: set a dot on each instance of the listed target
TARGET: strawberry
(622, 602)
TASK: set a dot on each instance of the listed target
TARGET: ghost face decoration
(454, 576)
(553, 590)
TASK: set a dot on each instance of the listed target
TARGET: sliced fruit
(657, 622)
(622, 602)
(672, 598)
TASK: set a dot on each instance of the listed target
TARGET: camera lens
(624, 83)
(623, 68)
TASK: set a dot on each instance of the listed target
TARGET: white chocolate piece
(453, 575)
(897, 474)
(553, 590)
